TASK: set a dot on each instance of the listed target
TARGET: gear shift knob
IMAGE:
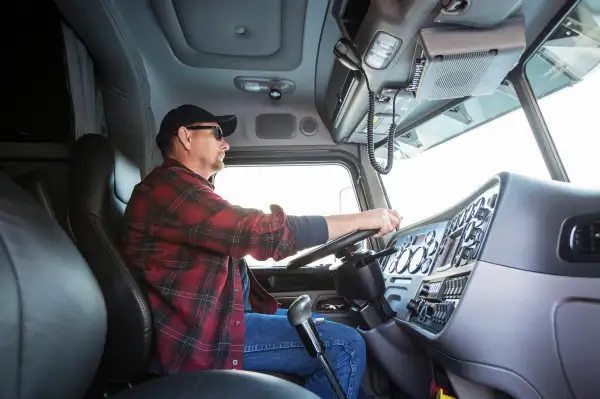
(299, 315)
(300, 310)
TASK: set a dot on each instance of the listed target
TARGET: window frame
(522, 87)
(283, 157)
(530, 105)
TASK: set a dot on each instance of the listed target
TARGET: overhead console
(420, 55)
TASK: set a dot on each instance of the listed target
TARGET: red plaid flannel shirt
(185, 239)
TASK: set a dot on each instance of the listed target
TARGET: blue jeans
(272, 344)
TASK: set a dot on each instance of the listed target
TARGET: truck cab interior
(473, 118)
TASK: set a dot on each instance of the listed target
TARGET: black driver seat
(53, 323)
(101, 182)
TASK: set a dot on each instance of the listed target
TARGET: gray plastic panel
(406, 363)
(578, 347)
(515, 321)
(532, 213)
(272, 38)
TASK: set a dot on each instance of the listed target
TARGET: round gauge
(460, 219)
(416, 260)
(451, 225)
(429, 237)
(442, 246)
(426, 265)
(432, 248)
(467, 231)
(478, 205)
(403, 261)
(393, 266)
(468, 213)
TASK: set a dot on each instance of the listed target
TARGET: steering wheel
(330, 247)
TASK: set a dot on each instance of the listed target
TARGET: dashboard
(504, 288)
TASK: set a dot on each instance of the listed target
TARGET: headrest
(53, 322)
(97, 167)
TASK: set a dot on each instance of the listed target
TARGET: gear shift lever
(300, 316)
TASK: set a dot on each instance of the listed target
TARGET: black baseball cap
(186, 115)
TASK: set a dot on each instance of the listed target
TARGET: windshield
(426, 183)
(442, 161)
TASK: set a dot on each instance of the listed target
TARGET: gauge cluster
(416, 252)
(462, 240)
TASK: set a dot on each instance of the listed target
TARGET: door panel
(286, 285)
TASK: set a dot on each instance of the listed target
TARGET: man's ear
(184, 137)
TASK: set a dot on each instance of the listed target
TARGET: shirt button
(237, 323)
(235, 362)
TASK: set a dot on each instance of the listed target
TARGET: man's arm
(384, 220)
(195, 215)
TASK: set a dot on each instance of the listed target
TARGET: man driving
(209, 311)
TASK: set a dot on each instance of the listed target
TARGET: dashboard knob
(482, 213)
(424, 290)
(412, 306)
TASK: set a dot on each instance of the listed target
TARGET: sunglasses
(216, 130)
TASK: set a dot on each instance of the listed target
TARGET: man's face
(207, 145)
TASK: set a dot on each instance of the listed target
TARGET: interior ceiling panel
(210, 84)
(261, 34)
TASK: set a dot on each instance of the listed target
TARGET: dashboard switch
(412, 306)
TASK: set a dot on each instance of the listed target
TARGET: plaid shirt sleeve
(193, 214)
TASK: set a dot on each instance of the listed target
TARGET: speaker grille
(454, 75)
(275, 126)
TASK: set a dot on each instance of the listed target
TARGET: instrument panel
(507, 259)
(416, 252)
(440, 255)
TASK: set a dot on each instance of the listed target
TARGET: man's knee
(346, 338)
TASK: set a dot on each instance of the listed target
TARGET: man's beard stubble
(219, 165)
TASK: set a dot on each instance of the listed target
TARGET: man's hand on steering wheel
(376, 222)
(384, 220)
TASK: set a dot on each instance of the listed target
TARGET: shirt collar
(170, 162)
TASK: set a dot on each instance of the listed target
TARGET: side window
(323, 189)
(565, 78)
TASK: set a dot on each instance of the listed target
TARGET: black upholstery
(101, 182)
(218, 384)
(53, 320)
(52, 314)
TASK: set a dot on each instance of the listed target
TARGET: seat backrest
(101, 182)
(52, 313)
